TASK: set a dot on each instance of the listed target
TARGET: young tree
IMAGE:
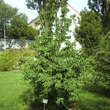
(57, 74)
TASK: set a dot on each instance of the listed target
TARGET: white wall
(74, 24)
(71, 12)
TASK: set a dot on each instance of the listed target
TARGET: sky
(21, 5)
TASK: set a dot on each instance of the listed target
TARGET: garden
(12, 87)
(52, 74)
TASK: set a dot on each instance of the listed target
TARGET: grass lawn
(11, 87)
(93, 101)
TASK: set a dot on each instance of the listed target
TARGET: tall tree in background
(14, 24)
(6, 13)
(93, 35)
(103, 63)
(89, 32)
(102, 8)
(42, 5)
(1, 22)
(19, 29)
(36, 4)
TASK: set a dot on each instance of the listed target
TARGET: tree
(103, 65)
(19, 29)
(89, 32)
(102, 7)
(36, 4)
(44, 5)
(91, 35)
(57, 74)
(6, 13)
(14, 23)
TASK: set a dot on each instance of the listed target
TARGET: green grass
(11, 87)
(93, 101)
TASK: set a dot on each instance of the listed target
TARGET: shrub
(15, 59)
(8, 60)
(26, 56)
(60, 77)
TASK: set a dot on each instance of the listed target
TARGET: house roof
(35, 19)
(74, 9)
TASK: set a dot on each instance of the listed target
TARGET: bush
(26, 56)
(15, 59)
(60, 77)
(8, 60)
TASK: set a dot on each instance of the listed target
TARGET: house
(34, 23)
(72, 11)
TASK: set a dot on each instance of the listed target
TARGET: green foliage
(37, 4)
(45, 5)
(103, 59)
(93, 35)
(6, 13)
(11, 82)
(26, 56)
(102, 8)
(60, 77)
(19, 28)
(89, 33)
(14, 23)
(58, 73)
(13, 59)
(8, 59)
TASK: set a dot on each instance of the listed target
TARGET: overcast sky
(21, 5)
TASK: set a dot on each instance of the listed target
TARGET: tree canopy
(6, 13)
(15, 23)
(89, 32)
(101, 7)
(19, 29)
(93, 35)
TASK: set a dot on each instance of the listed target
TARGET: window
(35, 24)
